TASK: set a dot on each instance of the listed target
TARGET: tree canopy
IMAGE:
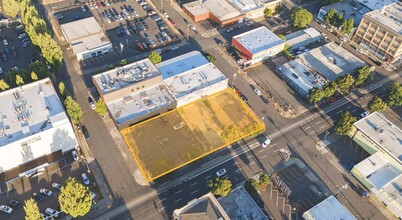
(268, 12)
(73, 110)
(345, 123)
(100, 107)
(362, 75)
(347, 26)
(300, 17)
(155, 57)
(75, 198)
(32, 210)
(329, 89)
(11, 8)
(63, 91)
(3, 85)
(345, 82)
(395, 95)
(315, 95)
(330, 15)
(220, 186)
(376, 104)
(252, 186)
(265, 179)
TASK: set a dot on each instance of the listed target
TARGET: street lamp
(234, 78)
(345, 186)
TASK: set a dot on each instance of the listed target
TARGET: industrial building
(205, 207)
(254, 9)
(381, 173)
(330, 208)
(134, 92)
(191, 76)
(257, 45)
(219, 11)
(86, 38)
(303, 38)
(317, 66)
(34, 130)
(380, 32)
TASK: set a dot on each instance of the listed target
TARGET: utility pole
(234, 78)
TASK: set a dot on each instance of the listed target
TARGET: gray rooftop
(331, 61)
(330, 208)
(302, 37)
(390, 16)
(349, 11)
(376, 4)
(258, 39)
(383, 132)
(239, 205)
(125, 76)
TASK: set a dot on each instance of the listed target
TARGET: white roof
(125, 76)
(329, 209)
(383, 132)
(302, 37)
(390, 16)
(258, 39)
(331, 61)
(84, 35)
(189, 73)
(376, 4)
(221, 9)
(196, 8)
(246, 5)
(32, 124)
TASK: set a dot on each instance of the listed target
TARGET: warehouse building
(257, 45)
(34, 130)
(191, 76)
(330, 208)
(86, 38)
(134, 92)
(254, 9)
(219, 11)
(303, 38)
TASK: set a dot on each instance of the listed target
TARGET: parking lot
(23, 188)
(13, 52)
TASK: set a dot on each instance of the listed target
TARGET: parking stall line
(193, 184)
(348, 107)
(162, 200)
(321, 127)
(193, 192)
(318, 122)
(177, 200)
(311, 132)
(264, 156)
(353, 110)
(208, 177)
(338, 111)
(178, 192)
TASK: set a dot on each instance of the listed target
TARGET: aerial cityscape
(201, 109)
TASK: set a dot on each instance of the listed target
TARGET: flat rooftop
(331, 61)
(128, 75)
(196, 8)
(308, 35)
(205, 207)
(140, 103)
(246, 5)
(349, 11)
(189, 73)
(239, 205)
(390, 16)
(221, 9)
(383, 132)
(330, 208)
(84, 34)
(301, 75)
(376, 4)
(258, 39)
(169, 141)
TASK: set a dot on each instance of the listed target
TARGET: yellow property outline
(261, 127)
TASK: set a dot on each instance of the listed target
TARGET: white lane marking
(194, 184)
(307, 127)
(162, 200)
(311, 132)
(322, 127)
(349, 106)
(260, 151)
(208, 177)
(264, 156)
(318, 122)
(193, 192)
(235, 163)
(338, 111)
(252, 162)
(354, 110)
(177, 200)
(177, 192)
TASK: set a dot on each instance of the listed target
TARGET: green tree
(75, 198)
(32, 210)
(210, 57)
(345, 123)
(376, 104)
(40, 69)
(265, 179)
(19, 80)
(155, 57)
(268, 12)
(73, 110)
(329, 89)
(278, 9)
(330, 16)
(3, 85)
(252, 186)
(282, 37)
(345, 82)
(63, 91)
(300, 17)
(315, 95)
(362, 74)
(338, 20)
(395, 95)
(347, 26)
(220, 186)
(100, 107)
(34, 76)
(11, 8)
(123, 62)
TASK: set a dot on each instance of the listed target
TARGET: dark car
(15, 203)
(5, 58)
(38, 197)
(85, 132)
(265, 100)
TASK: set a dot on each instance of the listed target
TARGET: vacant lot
(172, 140)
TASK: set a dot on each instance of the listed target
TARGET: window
(390, 35)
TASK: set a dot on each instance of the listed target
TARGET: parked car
(15, 203)
(22, 36)
(52, 212)
(38, 197)
(360, 50)
(5, 42)
(83, 8)
(1, 70)
(221, 172)
(75, 155)
(364, 114)
(85, 179)
(91, 103)
(57, 186)
(6, 209)
(45, 192)
(266, 143)
(85, 132)
(172, 22)
(257, 92)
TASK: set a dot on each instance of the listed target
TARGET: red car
(139, 46)
(99, 4)
(172, 22)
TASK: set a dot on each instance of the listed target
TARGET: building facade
(380, 33)
(254, 9)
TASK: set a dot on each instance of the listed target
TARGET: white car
(6, 209)
(360, 50)
(75, 155)
(266, 143)
(221, 172)
(166, 15)
(175, 47)
(93, 195)
(193, 28)
(52, 212)
(85, 179)
(57, 186)
(257, 92)
(5, 42)
(1, 70)
(83, 8)
(45, 192)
